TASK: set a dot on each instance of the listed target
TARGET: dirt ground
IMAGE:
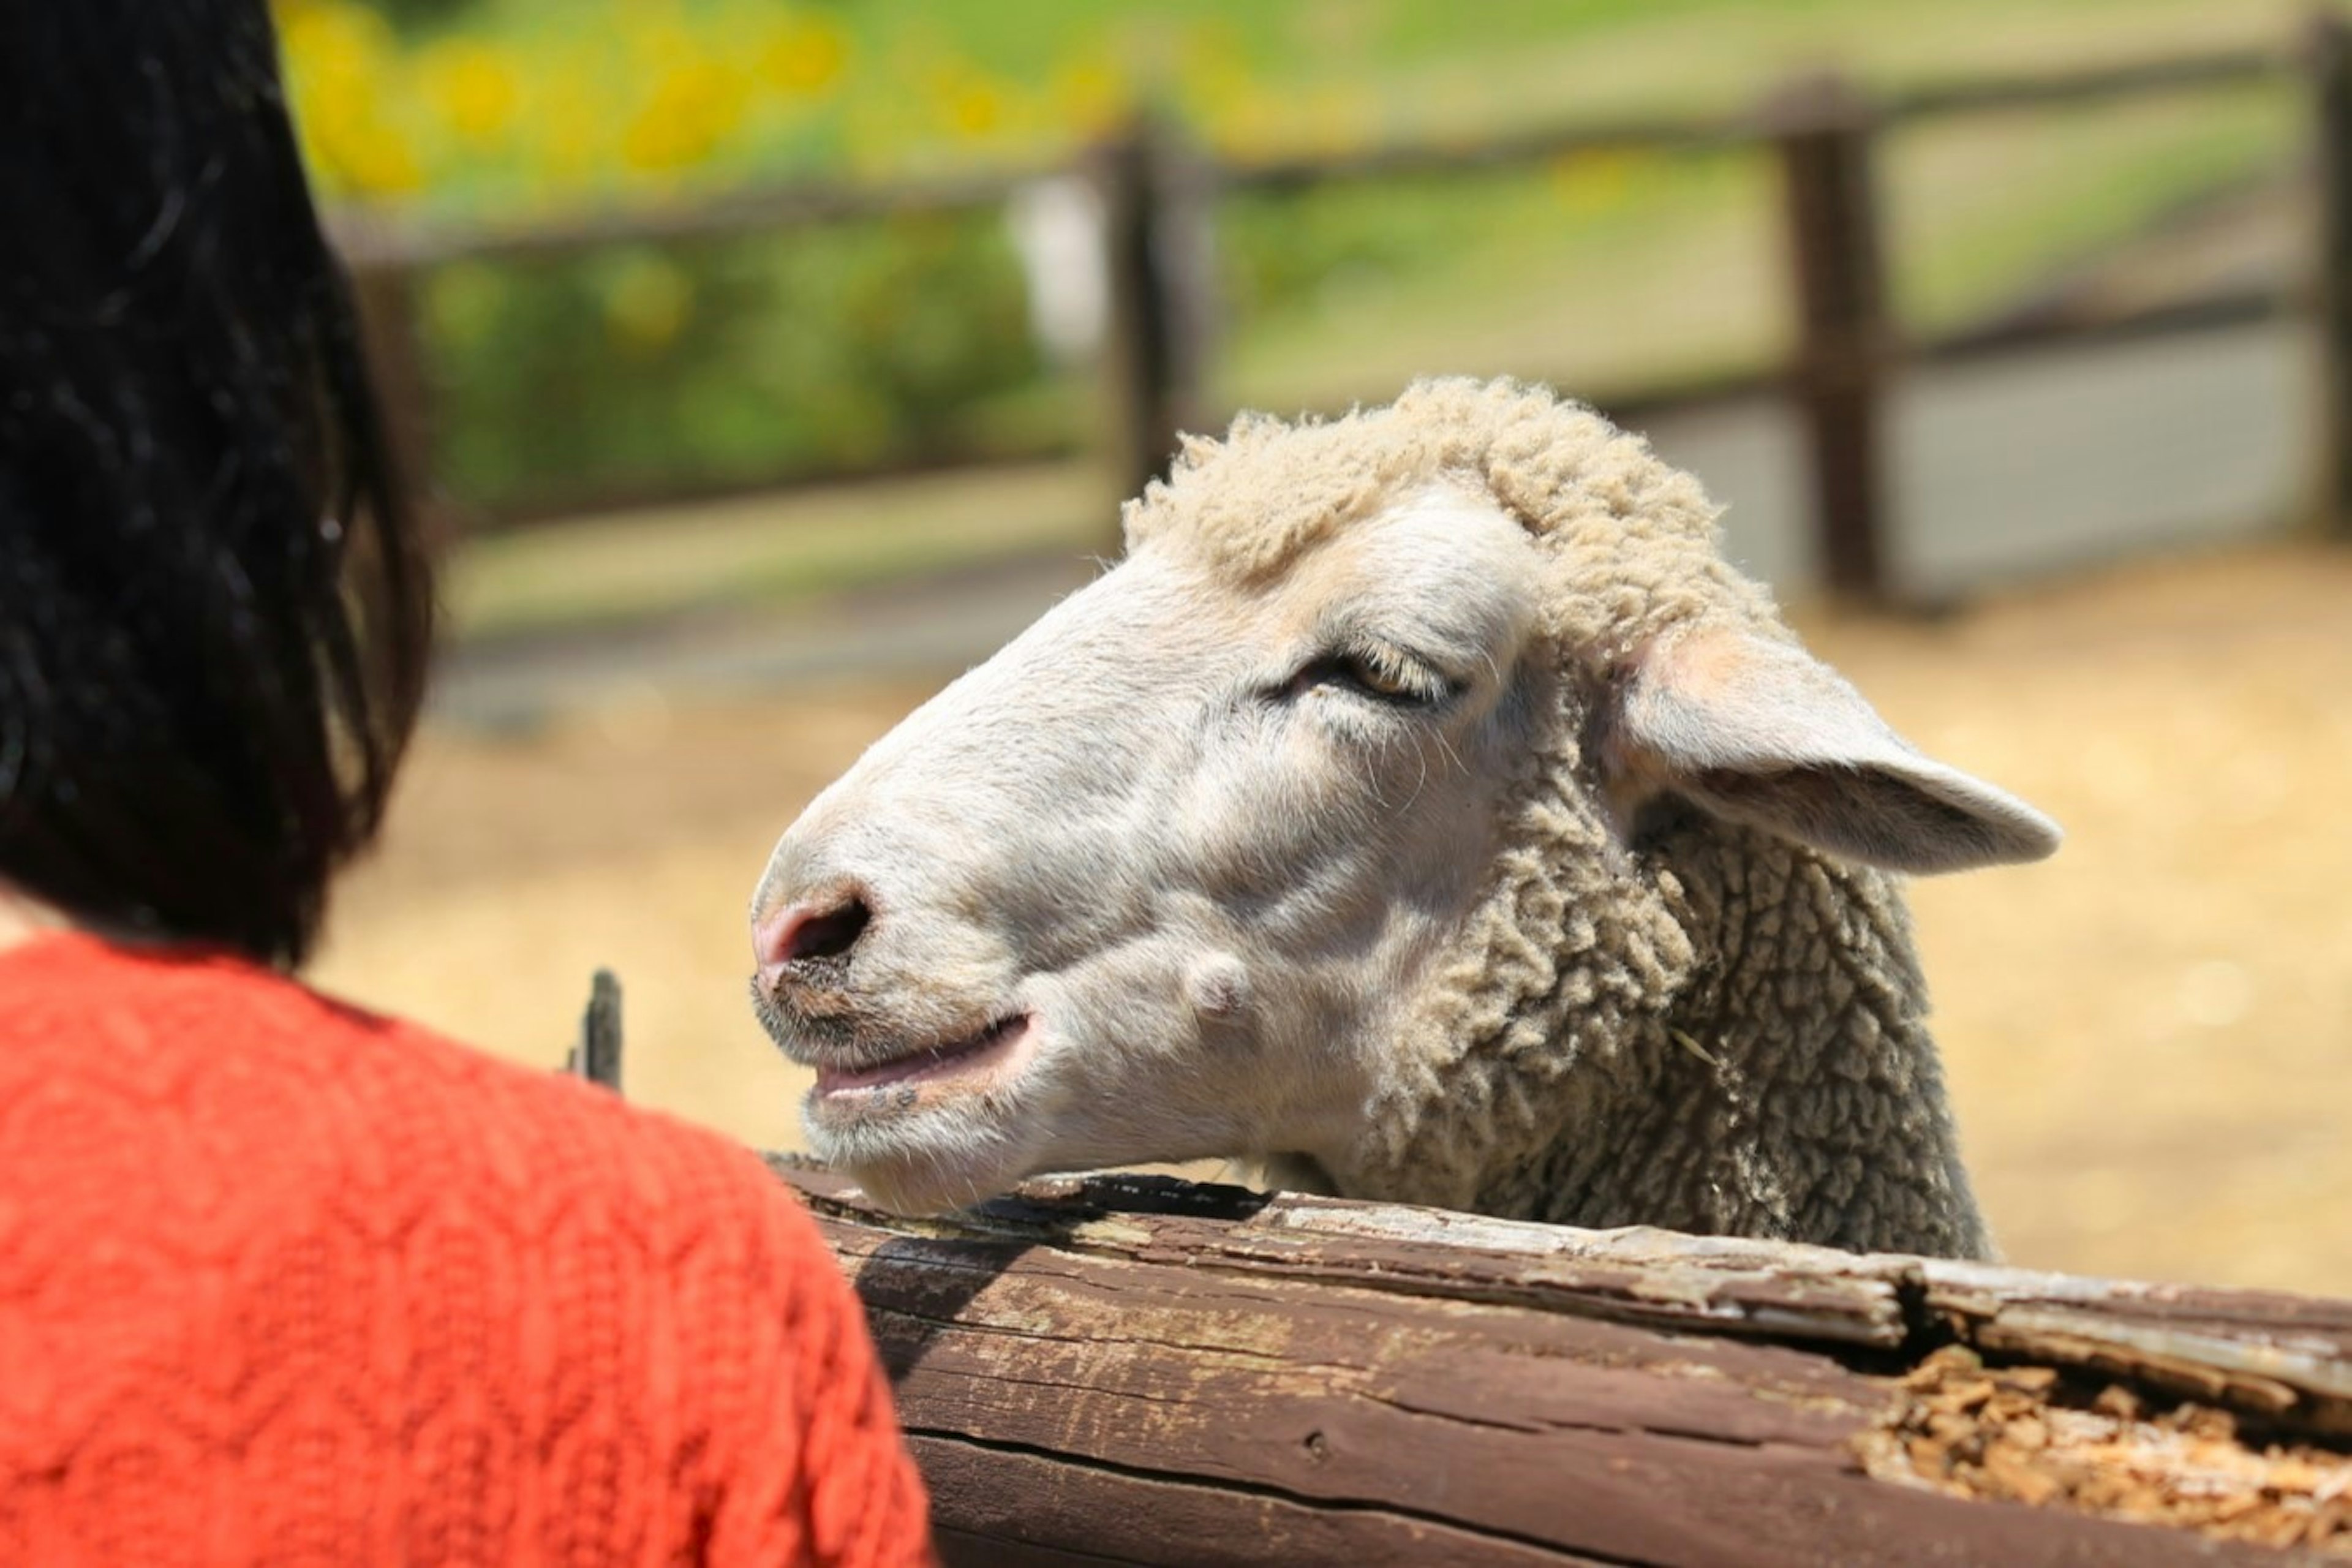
(2150, 1037)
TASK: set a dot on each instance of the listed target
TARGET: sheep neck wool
(284, 1282)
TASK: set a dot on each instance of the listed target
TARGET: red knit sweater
(282, 1282)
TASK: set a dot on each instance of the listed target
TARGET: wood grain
(1140, 1370)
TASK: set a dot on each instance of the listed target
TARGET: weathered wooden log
(1137, 1370)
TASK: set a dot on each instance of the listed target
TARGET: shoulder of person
(381, 1112)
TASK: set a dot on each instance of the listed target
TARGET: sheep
(1423, 809)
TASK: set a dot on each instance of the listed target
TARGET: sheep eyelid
(1390, 679)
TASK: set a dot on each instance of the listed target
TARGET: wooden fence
(1823, 132)
(1124, 1369)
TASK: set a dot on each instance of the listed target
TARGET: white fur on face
(1186, 846)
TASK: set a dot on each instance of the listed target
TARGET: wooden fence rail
(1156, 196)
(1136, 1370)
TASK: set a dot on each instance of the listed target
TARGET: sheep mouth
(984, 1055)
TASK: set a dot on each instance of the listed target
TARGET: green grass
(1669, 270)
(1646, 271)
(1980, 209)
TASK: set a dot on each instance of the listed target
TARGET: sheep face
(1380, 809)
(1150, 883)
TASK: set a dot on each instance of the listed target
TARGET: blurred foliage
(505, 107)
(735, 361)
(834, 347)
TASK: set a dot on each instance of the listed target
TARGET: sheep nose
(790, 941)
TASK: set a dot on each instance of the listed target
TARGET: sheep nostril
(811, 932)
(828, 935)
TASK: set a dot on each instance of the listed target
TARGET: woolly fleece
(1715, 1030)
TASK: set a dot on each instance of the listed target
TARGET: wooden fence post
(597, 1057)
(2330, 57)
(1821, 128)
(1159, 262)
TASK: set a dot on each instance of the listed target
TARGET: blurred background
(768, 363)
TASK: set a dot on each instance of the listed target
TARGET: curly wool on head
(1254, 501)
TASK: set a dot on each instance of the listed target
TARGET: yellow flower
(1092, 95)
(472, 87)
(376, 162)
(356, 148)
(803, 57)
(568, 123)
(974, 108)
(660, 40)
(696, 106)
(339, 59)
(334, 40)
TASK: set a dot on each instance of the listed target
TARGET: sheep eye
(1377, 674)
(1385, 678)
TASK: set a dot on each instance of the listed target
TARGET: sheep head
(1317, 821)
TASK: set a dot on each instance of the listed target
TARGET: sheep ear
(1758, 732)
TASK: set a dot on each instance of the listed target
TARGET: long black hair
(214, 607)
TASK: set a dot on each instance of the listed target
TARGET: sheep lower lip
(985, 1049)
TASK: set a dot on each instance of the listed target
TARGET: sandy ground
(2150, 1037)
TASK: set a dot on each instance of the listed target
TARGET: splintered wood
(2022, 1433)
(1140, 1370)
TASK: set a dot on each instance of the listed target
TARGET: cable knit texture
(284, 1282)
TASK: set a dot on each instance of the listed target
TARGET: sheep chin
(929, 1161)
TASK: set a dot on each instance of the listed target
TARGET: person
(281, 1281)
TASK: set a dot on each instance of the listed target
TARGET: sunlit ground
(2148, 1036)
